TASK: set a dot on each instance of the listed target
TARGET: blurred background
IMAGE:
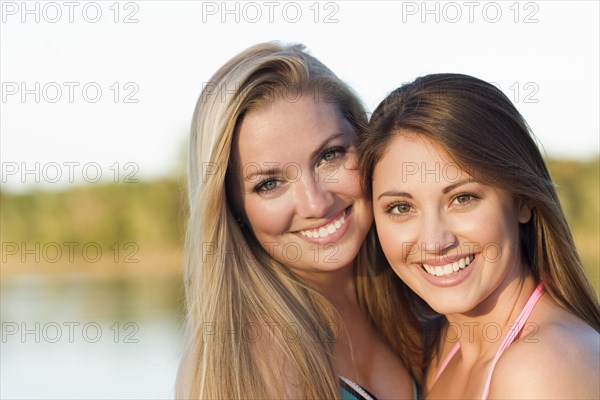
(95, 106)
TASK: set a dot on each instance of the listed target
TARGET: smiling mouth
(450, 268)
(327, 229)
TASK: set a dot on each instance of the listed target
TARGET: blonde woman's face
(454, 241)
(296, 185)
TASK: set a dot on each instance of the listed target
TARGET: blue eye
(332, 154)
(267, 186)
(329, 156)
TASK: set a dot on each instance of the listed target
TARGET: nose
(313, 198)
(436, 233)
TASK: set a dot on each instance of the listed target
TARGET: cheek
(268, 218)
(488, 227)
(345, 179)
(395, 248)
(391, 239)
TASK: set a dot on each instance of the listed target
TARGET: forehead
(286, 128)
(411, 147)
(411, 157)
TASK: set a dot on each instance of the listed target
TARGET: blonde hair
(237, 294)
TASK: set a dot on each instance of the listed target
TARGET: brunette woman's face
(296, 186)
(451, 239)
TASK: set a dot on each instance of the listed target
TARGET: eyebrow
(395, 193)
(455, 185)
(313, 155)
(272, 171)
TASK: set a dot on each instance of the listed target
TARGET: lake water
(72, 337)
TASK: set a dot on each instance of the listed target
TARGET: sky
(104, 91)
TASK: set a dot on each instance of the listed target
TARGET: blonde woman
(468, 217)
(283, 298)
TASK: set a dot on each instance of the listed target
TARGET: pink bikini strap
(512, 334)
(447, 360)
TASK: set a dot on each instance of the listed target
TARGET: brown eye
(401, 208)
(463, 199)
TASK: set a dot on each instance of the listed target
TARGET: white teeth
(448, 269)
(327, 230)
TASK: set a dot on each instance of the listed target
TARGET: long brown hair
(232, 284)
(485, 135)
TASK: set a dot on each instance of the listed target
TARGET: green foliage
(578, 188)
(150, 214)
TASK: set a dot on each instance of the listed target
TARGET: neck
(337, 286)
(481, 331)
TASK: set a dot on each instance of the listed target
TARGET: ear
(524, 210)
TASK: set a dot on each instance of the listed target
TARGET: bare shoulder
(556, 356)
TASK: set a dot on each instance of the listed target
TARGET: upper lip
(435, 261)
(336, 216)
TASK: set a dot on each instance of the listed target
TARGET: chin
(445, 310)
(448, 304)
